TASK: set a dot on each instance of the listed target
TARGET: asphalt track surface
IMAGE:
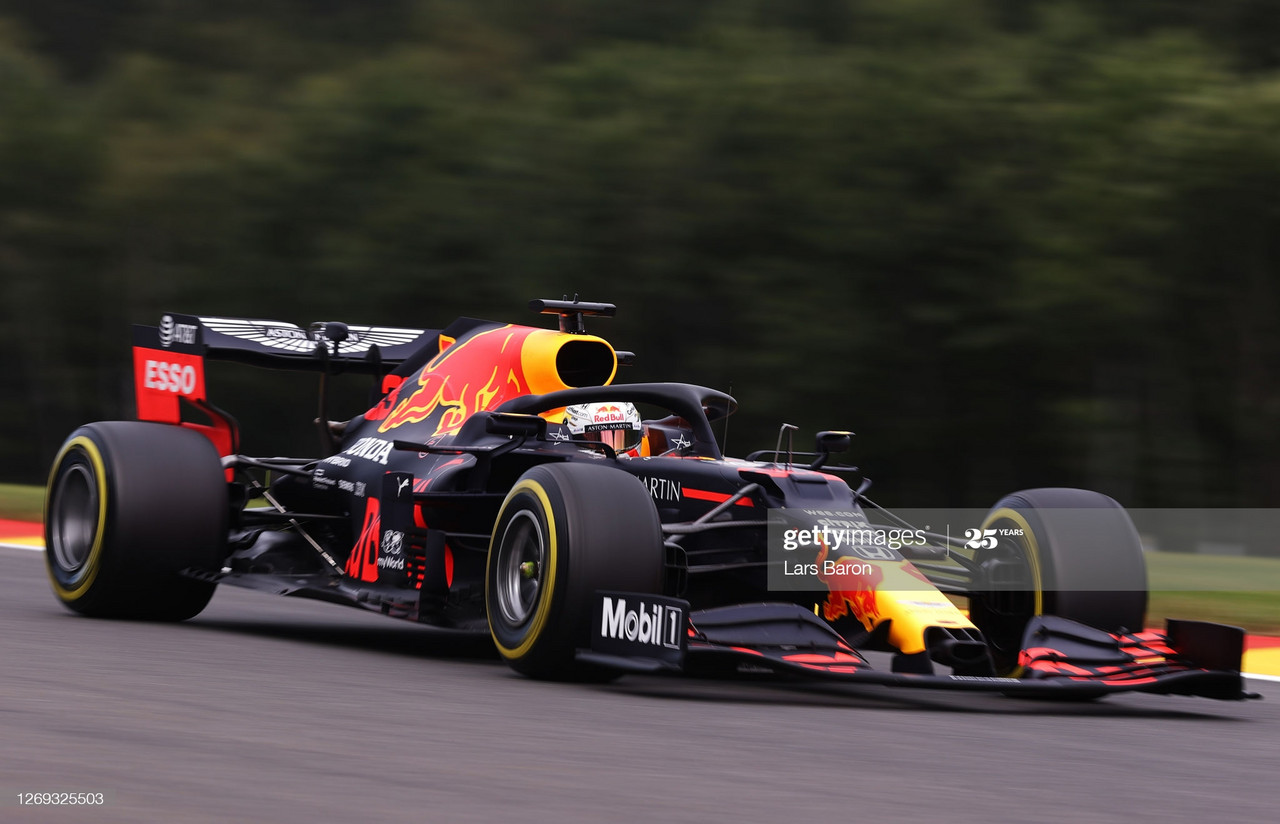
(276, 710)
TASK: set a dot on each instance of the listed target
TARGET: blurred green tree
(1009, 244)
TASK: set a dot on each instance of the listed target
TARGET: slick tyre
(1065, 552)
(129, 505)
(564, 532)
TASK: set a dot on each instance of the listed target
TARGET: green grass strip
(1230, 590)
(21, 503)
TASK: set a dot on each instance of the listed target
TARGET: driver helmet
(614, 423)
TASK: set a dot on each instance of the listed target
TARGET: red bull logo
(608, 414)
(879, 592)
(852, 588)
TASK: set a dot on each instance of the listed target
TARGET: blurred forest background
(1008, 242)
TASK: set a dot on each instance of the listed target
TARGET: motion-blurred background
(1008, 242)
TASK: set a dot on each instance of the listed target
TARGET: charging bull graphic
(447, 386)
(853, 588)
(483, 370)
(873, 592)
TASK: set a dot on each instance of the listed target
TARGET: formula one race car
(501, 482)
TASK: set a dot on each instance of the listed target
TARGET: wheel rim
(73, 523)
(1008, 603)
(521, 556)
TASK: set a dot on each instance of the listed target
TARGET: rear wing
(323, 347)
(168, 360)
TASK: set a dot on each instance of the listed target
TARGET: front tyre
(566, 531)
(129, 505)
(1065, 552)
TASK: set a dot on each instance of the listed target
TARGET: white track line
(28, 547)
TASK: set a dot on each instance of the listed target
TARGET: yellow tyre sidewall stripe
(547, 589)
(92, 564)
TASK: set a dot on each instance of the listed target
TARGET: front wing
(1059, 659)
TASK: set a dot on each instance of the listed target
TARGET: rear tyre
(564, 532)
(1065, 552)
(129, 505)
